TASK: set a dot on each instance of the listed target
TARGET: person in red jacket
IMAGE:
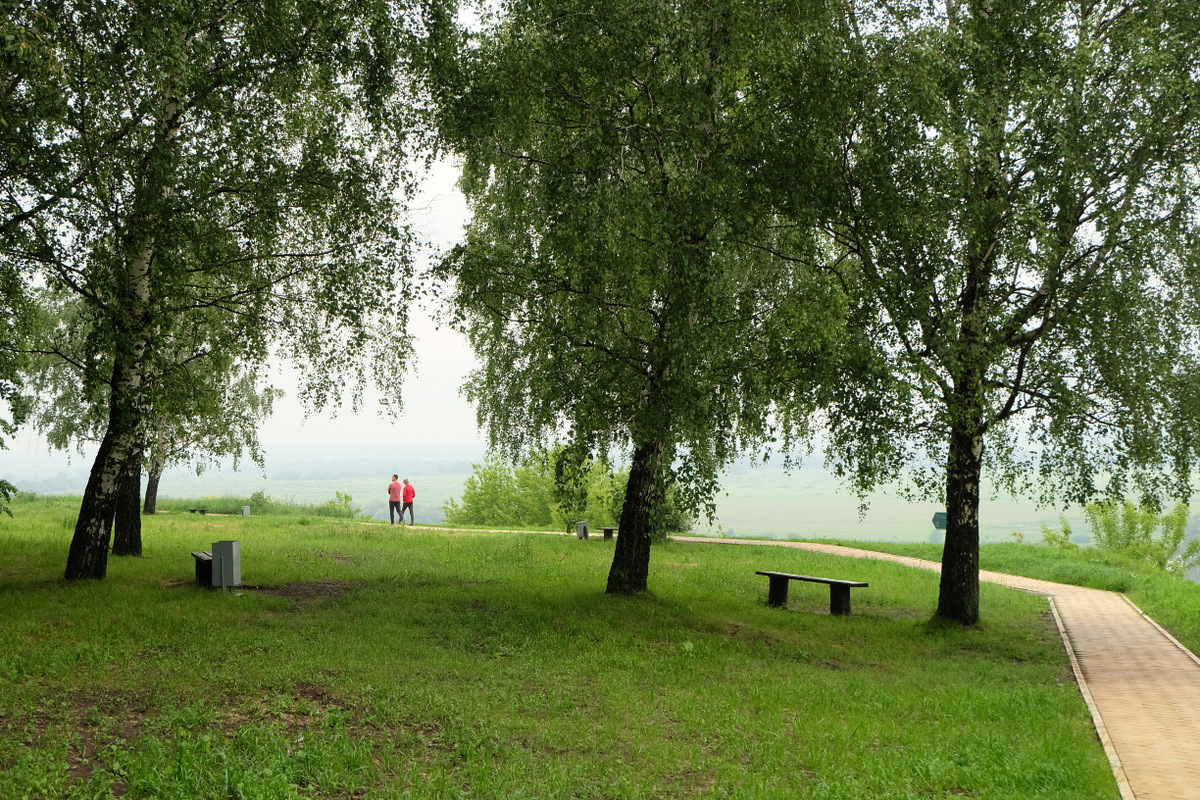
(409, 493)
(395, 492)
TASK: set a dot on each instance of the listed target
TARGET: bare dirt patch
(309, 591)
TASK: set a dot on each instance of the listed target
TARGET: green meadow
(361, 660)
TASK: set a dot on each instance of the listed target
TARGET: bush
(542, 491)
(7, 490)
(553, 489)
(339, 506)
(1060, 538)
(1129, 529)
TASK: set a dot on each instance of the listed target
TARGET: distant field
(812, 504)
(807, 504)
(369, 492)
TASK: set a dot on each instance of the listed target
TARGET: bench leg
(839, 599)
(777, 591)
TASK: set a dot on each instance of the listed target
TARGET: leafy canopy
(612, 281)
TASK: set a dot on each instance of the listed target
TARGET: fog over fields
(754, 501)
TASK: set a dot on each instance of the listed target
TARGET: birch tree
(1018, 188)
(231, 162)
(609, 281)
(206, 405)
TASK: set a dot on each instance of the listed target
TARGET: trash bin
(245, 511)
(581, 529)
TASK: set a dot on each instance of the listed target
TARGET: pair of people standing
(400, 499)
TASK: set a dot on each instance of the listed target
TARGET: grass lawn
(1170, 600)
(360, 660)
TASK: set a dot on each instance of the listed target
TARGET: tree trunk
(88, 556)
(129, 406)
(127, 521)
(958, 595)
(631, 560)
(152, 477)
(128, 409)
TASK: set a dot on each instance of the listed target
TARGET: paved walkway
(1142, 686)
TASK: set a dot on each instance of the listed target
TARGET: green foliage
(30, 106)
(501, 495)
(1131, 530)
(1024, 246)
(1016, 216)
(339, 506)
(618, 279)
(1060, 538)
(261, 504)
(228, 189)
(553, 489)
(7, 490)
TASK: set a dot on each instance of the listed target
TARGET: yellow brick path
(1142, 686)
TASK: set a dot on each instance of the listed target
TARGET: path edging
(1163, 631)
(1114, 759)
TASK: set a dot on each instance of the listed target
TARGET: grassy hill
(361, 660)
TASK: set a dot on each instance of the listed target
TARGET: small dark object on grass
(203, 567)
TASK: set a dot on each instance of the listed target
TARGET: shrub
(1060, 538)
(339, 506)
(553, 489)
(1130, 529)
(7, 490)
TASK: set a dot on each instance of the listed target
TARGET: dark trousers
(411, 519)
(394, 509)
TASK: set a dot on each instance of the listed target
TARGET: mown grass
(1172, 601)
(364, 660)
(258, 503)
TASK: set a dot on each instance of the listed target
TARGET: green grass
(1172, 601)
(364, 660)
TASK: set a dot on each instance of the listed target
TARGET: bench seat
(839, 590)
(203, 567)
